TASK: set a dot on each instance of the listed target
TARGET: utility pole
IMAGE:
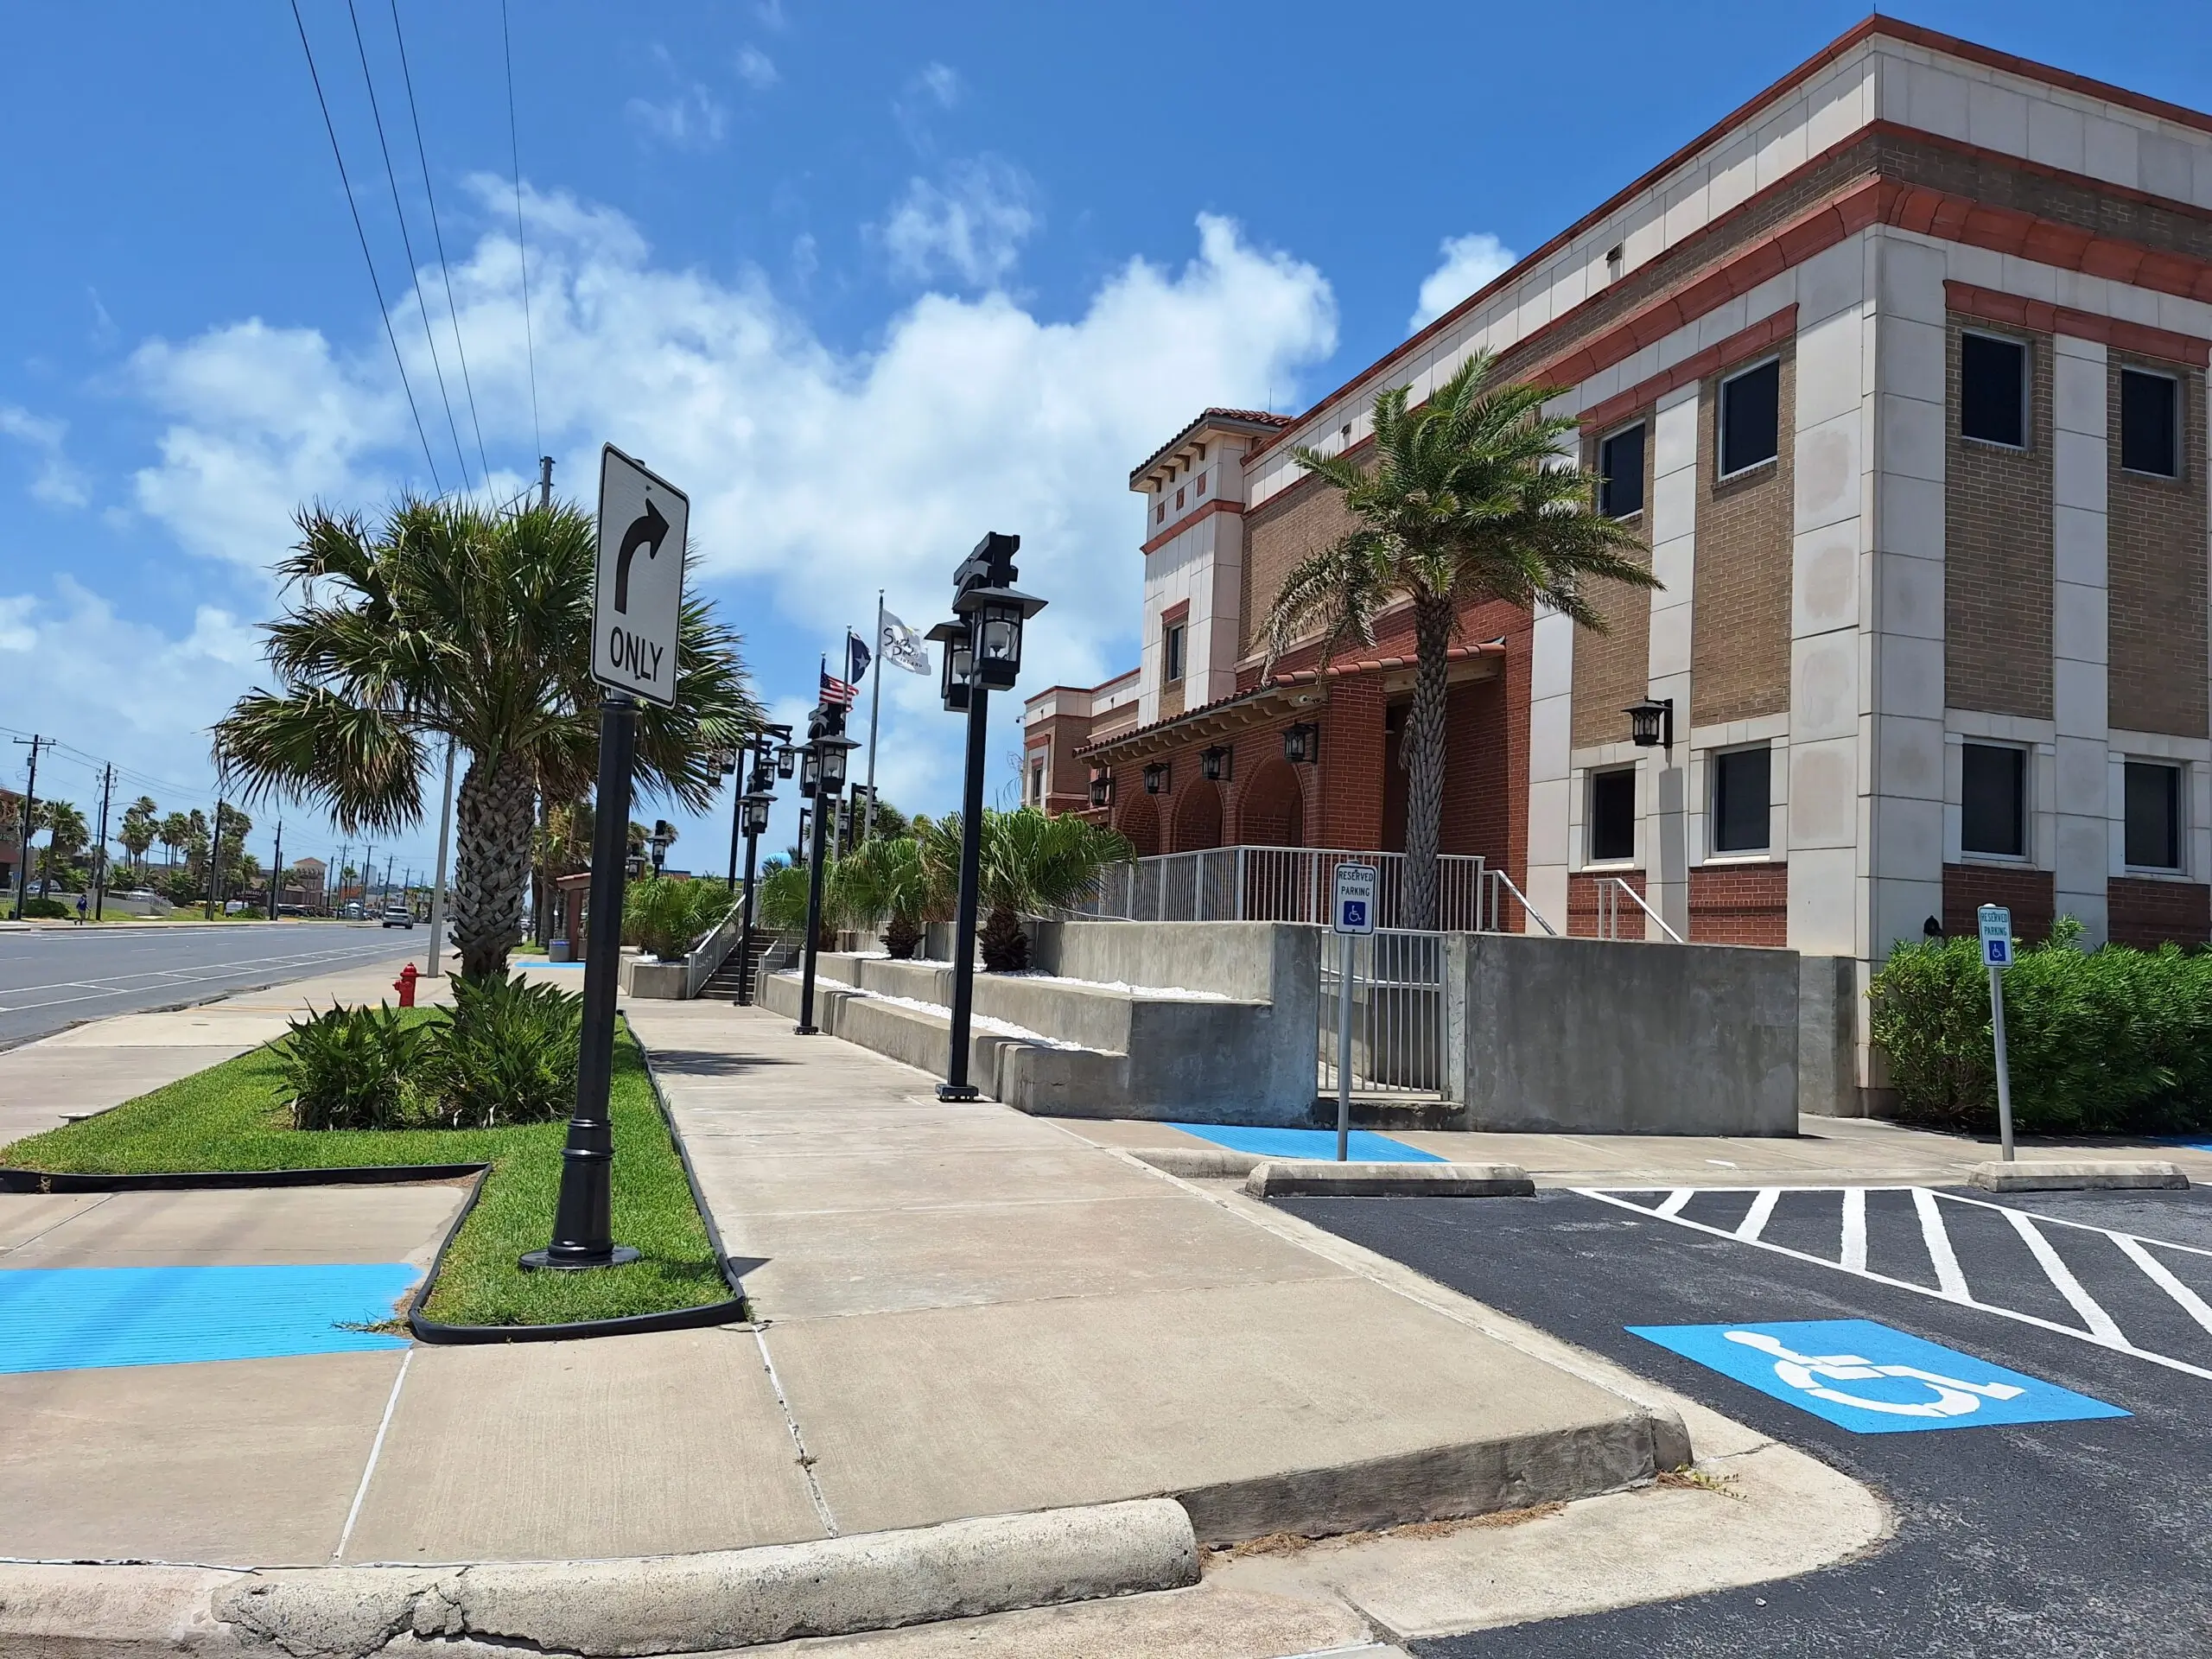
(368, 863)
(276, 875)
(387, 877)
(335, 902)
(100, 853)
(544, 482)
(35, 742)
(438, 889)
(215, 859)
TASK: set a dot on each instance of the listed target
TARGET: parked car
(398, 916)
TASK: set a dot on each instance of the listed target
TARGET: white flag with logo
(902, 647)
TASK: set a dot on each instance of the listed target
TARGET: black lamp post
(982, 654)
(749, 817)
(1651, 722)
(663, 837)
(821, 775)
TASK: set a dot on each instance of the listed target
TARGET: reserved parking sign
(1996, 936)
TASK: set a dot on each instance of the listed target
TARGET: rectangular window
(1741, 821)
(1612, 815)
(1993, 390)
(1037, 783)
(1993, 797)
(2153, 815)
(1178, 499)
(1620, 473)
(1751, 418)
(1199, 489)
(2150, 424)
(1172, 652)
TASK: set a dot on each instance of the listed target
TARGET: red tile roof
(1263, 417)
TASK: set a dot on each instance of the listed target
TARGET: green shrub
(353, 1068)
(2107, 1041)
(508, 1055)
(666, 917)
(46, 909)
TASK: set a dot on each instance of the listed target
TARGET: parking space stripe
(1754, 1218)
(2099, 1323)
(1675, 1200)
(1854, 1230)
(1949, 1281)
(2159, 1274)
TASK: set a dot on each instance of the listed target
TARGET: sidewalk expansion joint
(790, 1421)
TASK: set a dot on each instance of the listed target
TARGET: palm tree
(136, 835)
(175, 830)
(451, 621)
(1029, 864)
(68, 838)
(1470, 499)
(886, 880)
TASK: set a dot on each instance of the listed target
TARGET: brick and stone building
(1900, 372)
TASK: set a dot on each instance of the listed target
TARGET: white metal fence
(1397, 1013)
(1292, 884)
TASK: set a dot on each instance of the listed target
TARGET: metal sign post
(1351, 916)
(1997, 955)
(637, 610)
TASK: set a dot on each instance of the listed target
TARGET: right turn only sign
(638, 603)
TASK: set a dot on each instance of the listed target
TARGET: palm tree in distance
(175, 832)
(139, 827)
(450, 621)
(1470, 499)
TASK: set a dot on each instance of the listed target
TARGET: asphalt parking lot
(2048, 1460)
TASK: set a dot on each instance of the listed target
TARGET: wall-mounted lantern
(1102, 788)
(1155, 777)
(1301, 744)
(1651, 722)
(1216, 763)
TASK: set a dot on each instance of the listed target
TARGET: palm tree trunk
(491, 823)
(1422, 754)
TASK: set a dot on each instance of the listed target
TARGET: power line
(437, 232)
(383, 311)
(514, 149)
(414, 274)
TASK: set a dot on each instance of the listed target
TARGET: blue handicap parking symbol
(1871, 1379)
(1355, 912)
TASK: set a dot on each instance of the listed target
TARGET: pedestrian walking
(81, 907)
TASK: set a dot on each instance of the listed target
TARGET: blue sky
(867, 280)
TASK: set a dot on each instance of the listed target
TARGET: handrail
(1535, 914)
(703, 958)
(1619, 886)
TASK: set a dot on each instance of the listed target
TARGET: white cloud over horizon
(816, 475)
(1469, 262)
(970, 228)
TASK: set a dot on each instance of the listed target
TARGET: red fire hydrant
(406, 986)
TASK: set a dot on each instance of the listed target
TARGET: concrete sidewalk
(1826, 1152)
(971, 1312)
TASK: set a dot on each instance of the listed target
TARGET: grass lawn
(228, 1117)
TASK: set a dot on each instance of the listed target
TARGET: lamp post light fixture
(1301, 743)
(770, 746)
(982, 654)
(1216, 763)
(821, 775)
(1156, 778)
(1651, 722)
(1101, 788)
(663, 837)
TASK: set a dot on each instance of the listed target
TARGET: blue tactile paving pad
(1366, 1146)
(68, 1319)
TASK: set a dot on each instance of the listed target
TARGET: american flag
(835, 693)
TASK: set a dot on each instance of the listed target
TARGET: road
(2084, 1533)
(52, 977)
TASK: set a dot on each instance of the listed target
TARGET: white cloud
(59, 484)
(817, 476)
(941, 82)
(932, 90)
(756, 68)
(1469, 262)
(689, 117)
(972, 228)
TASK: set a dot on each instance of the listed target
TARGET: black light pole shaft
(806, 1026)
(745, 926)
(956, 1085)
(736, 819)
(584, 1219)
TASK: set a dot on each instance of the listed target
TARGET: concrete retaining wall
(1589, 1036)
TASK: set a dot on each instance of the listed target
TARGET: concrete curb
(651, 1605)
(1199, 1163)
(2075, 1176)
(1310, 1177)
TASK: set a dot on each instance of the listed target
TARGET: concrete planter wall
(652, 979)
(1587, 1036)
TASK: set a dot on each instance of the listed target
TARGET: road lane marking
(1755, 1218)
(1948, 1279)
(1675, 1200)
(1854, 1230)
(2159, 1274)
(2092, 1312)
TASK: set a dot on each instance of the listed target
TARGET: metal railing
(1610, 889)
(1397, 1014)
(1500, 885)
(1292, 884)
(707, 956)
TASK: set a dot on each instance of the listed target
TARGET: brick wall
(2156, 560)
(1740, 620)
(1582, 906)
(2029, 894)
(1740, 904)
(1291, 527)
(1347, 810)
(1134, 812)
(2147, 914)
(1613, 668)
(1997, 551)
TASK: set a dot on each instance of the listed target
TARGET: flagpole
(874, 711)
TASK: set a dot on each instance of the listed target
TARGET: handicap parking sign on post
(1354, 898)
(1871, 1379)
(1996, 936)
